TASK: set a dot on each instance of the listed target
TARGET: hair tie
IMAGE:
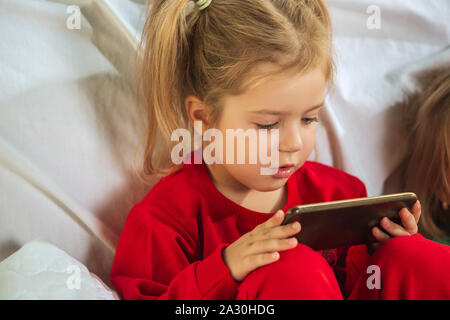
(202, 4)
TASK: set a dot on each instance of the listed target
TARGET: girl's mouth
(284, 171)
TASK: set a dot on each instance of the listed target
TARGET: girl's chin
(271, 184)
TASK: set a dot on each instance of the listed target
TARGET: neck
(268, 201)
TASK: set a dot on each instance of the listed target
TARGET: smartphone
(334, 224)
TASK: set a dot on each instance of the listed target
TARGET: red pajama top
(172, 242)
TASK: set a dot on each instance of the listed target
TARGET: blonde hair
(212, 53)
(425, 167)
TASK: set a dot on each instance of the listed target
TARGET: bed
(69, 122)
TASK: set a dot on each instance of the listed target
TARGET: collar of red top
(244, 215)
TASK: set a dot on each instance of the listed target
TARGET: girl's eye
(267, 126)
(310, 120)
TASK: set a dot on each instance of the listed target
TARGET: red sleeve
(342, 268)
(156, 259)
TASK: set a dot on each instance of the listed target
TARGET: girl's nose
(291, 140)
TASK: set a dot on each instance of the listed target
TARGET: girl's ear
(197, 111)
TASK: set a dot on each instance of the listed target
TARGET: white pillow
(41, 271)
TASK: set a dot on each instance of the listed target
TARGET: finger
(281, 232)
(417, 211)
(258, 260)
(379, 235)
(273, 221)
(392, 228)
(271, 245)
(408, 221)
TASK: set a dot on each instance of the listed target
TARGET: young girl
(213, 231)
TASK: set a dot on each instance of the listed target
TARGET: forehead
(284, 93)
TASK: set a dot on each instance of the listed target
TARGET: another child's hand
(409, 226)
(260, 246)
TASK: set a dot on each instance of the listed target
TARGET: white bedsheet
(41, 271)
(69, 124)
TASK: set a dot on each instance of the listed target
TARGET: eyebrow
(283, 112)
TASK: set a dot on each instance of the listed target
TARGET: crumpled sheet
(69, 123)
(41, 271)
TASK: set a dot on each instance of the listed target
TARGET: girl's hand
(260, 246)
(409, 226)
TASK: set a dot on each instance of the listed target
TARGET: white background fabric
(69, 124)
